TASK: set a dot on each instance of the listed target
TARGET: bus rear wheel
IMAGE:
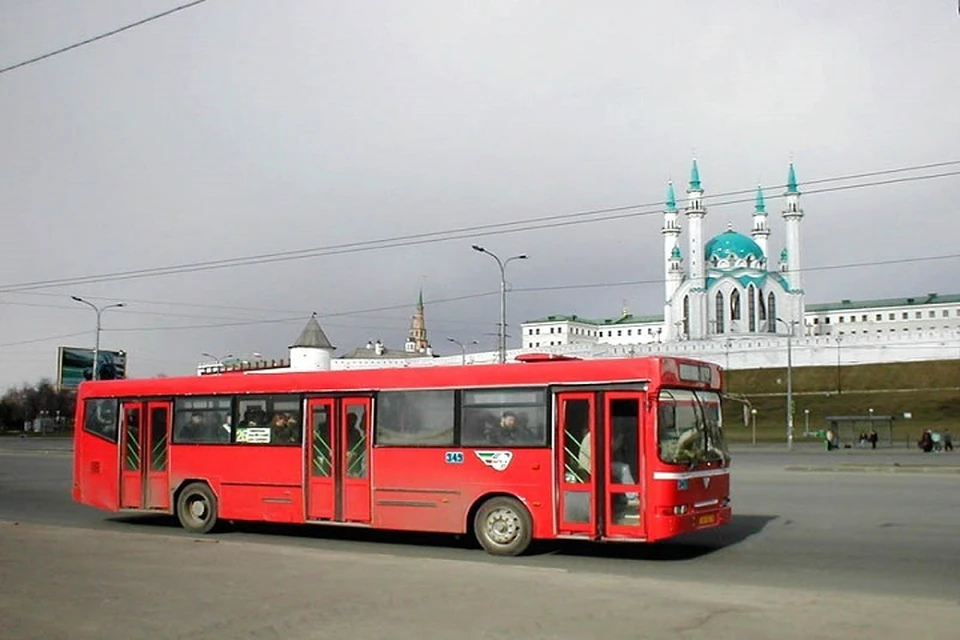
(503, 526)
(197, 508)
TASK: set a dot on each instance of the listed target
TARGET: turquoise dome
(732, 245)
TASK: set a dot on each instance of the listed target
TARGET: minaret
(695, 212)
(792, 216)
(417, 340)
(671, 242)
(761, 231)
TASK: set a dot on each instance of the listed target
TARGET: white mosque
(725, 301)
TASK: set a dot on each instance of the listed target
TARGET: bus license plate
(707, 518)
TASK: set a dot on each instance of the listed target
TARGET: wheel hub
(198, 509)
(503, 525)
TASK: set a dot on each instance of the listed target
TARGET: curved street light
(219, 361)
(789, 326)
(463, 348)
(503, 296)
(96, 346)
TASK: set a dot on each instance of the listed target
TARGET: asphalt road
(857, 548)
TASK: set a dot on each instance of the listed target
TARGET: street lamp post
(789, 326)
(753, 415)
(96, 345)
(463, 348)
(806, 422)
(219, 361)
(503, 296)
(838, 339)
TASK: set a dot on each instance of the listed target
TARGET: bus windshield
(690, 427)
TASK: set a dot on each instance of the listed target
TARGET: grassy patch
(928, 391)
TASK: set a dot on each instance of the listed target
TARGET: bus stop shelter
(847, 429)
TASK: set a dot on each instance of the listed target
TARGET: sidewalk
(806, 456)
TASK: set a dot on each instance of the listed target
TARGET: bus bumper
(669, 525)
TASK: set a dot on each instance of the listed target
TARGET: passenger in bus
(510, 429)
(619, 471)
(254, 417)
(192, 430)
(284, 429)
(226, 428)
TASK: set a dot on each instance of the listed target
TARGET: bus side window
(100, 418)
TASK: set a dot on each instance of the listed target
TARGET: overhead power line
(470, 296)
(101, 36)
(462, 233)
(483, 294)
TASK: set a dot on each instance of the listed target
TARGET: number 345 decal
(498, 460)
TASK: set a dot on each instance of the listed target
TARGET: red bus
(610, 450)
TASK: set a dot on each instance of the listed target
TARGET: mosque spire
(671, 201)
(792, 181)
(761, 204)
(694, 177)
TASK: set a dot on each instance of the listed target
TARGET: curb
(894, 468)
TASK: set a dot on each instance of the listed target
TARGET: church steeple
(417, 340)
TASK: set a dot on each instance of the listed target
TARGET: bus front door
(144, 476)
(577, 480)
(623, 458)
(338, 451)
(599, 464)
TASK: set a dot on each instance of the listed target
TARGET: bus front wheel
(503, 526)
(197, 508)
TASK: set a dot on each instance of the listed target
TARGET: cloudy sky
(241, 128)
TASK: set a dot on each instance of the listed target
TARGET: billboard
(75, 364)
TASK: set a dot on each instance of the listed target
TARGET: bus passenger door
(577, 425)
(354, 454)
(338, 482)
(321, 440)
(132, 468)
(623, 458)
(144, 476)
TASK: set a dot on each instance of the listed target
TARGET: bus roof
(540, 373)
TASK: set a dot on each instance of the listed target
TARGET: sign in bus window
(269, 420)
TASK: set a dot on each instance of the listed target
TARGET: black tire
(197, 508)
(503, 526)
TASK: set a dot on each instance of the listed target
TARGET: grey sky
(243, 127)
